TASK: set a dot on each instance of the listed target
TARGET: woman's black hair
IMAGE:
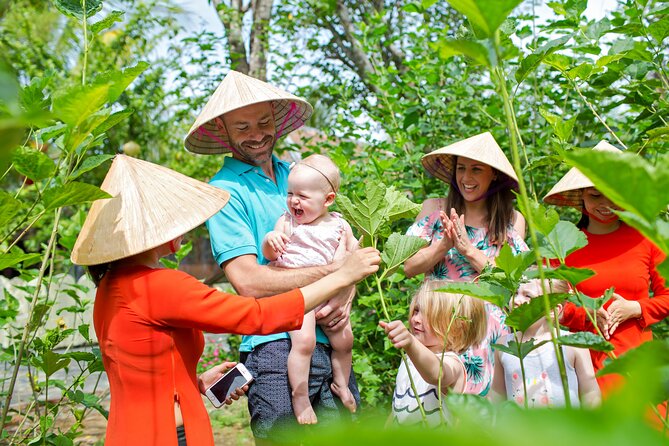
(97, 272)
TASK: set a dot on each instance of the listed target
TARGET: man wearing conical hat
(245, 117)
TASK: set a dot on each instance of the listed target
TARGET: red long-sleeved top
(148, 324)
(627, 261)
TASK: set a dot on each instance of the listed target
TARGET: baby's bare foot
(345, 395)
(303, 411)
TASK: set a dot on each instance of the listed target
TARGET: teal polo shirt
(256, 203)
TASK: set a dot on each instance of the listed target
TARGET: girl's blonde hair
(468, 315)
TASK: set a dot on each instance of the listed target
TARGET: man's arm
(251, 279)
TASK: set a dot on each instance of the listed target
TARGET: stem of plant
(404, 356)
(27, 327)
(498, 74)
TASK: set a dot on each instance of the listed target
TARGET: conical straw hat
(151, 205)
(481, 147)
(238, 90)
(569, 190)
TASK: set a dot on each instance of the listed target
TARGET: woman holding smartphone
(149, 319)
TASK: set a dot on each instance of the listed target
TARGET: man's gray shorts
(270, 403)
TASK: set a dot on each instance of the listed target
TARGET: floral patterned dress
(479, 360)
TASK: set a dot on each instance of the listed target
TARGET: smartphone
(238, 376)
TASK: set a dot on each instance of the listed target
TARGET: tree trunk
(232, 18)
(262, 10)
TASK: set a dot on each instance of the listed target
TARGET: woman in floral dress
(466, 231)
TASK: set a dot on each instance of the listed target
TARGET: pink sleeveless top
(311, 245)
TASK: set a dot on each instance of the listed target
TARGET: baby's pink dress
(311, 245)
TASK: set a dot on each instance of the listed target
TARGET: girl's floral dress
(479, 361)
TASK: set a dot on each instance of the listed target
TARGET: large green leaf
(71, 194)
(397, 249)
(33, 163)
(74, 105)
(562, 240)
(400, 205)
(118, 80)
(585, 339)
(561, 128)
(9, 207)
(519, 350)
(455, 47)
(487, 291)
(112, 120)
(366, 215)
(523, 316)
(89, 400)
(627, 179)
(74, 8)
(563, 272)
(514, 265)
(90, 163)
(485, 15)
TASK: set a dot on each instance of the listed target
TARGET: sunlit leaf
(14, 257)
(585, 339)
(113, 17)
(74, 105)
(489, 292)
(456, 47)
(614, 173)
(563, 272)
(523, 316)
(514, 265)
(561, 241)
(118, 80)
(72, 193)
(400, 205)
(112, 120)
(398, 248)
(90, 163)
(33, 163)
(366, 215)
(590, 303)
(562, 128)
(484, 15)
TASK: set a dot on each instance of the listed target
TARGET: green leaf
(484, 15)
(487, 291)
(89, 400)
(16, 256)
(657, 133)
(563, 272)
(90, 163)
(543, 217)
(50, 362)
(605, 60)
(454, 47)
(118, 80)
(71, 194)
(663, 269)
(514, 265)
(519, 350)
(33, 163)
(9, 207)
(532, 61)
(74, 8)
(115, 16)
(585, 339)
(523, 316)
(614, 174)
(561, 241)
(80, 356)
(366, 215)
(589, 303)
(400, 205)
(561, 128)
(74, 105)
(559, 61)
(582, 71)
(397, 249)
(659, 29)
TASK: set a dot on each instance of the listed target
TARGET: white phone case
(238, 376)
